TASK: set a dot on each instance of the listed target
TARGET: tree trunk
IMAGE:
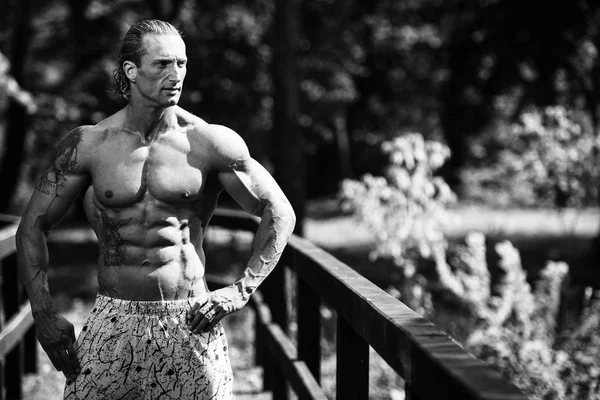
(12, 160)
(288, 142)
(166, 10)
(343, 145)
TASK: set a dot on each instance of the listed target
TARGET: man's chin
(171, 101)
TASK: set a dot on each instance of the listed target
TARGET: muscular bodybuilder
(150, 176)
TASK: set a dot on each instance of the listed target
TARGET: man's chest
(126, 172)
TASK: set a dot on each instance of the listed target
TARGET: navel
(108, 194)
(185, 237)
(185, 195)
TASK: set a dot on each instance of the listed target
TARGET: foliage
(405, 209)
(516, 329)
(501, 62)
(503, 321)
(550, 158)
(9, 88)
(367, 70)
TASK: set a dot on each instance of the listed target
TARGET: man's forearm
(274, 230)
(33, 266)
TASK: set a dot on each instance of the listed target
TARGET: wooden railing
(432, 365)
(18, 347)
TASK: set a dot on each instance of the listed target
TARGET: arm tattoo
(65, 160)
(113, 245)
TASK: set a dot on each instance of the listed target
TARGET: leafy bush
(406, 209)
(549, 157)
(506, 323)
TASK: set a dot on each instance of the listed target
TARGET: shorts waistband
(158, 307)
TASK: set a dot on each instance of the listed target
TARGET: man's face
(162, 69)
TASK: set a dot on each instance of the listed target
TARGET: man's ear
(130, 70)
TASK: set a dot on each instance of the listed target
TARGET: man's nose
(176, 74)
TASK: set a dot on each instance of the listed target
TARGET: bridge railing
(432, 365)
(18, 346)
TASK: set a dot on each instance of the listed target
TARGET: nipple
(185, 195)
(108, 194)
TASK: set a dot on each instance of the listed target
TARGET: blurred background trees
(316, 94)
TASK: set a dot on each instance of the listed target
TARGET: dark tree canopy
(364, 71)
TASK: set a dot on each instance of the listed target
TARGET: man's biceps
(242, 190)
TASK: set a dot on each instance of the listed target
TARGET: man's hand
(208, 311)
(57, 337)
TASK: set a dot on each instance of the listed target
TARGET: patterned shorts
(144, 350)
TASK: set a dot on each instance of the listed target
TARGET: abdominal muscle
(174, 280)
(149, 254)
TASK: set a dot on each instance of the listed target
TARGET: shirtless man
(151, 175)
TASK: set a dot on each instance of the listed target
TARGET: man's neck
(148, 121)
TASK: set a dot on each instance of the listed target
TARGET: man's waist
(114, 305)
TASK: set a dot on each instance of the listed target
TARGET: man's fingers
(69, 367)
(192, 312)
(199, 314)
(217, 318)
(207, 320)
(195, 320)
(52, 358)
(57, 360)
(74, 359)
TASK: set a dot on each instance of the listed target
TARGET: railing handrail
(432, 364)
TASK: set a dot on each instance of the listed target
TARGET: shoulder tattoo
(65, 160)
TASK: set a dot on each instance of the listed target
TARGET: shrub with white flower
(406, 209)
(511, 326)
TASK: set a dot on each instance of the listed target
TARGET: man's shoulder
(115, 120)
(87, 137)
(186, 118)
(78, 137)
(83, 136)
(219, 141)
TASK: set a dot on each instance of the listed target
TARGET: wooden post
(309, 328)
(30, 345)
(259, 345)
(12, 294)
(352, 377)
(276, 295)
(409, 394)
(2, 320)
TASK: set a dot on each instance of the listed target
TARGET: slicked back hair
(132, 50)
